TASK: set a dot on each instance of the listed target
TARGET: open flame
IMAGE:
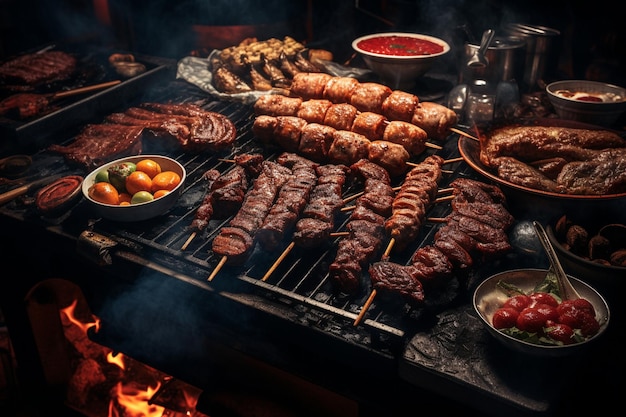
(127, 397)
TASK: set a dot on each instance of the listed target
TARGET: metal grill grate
(300, 283)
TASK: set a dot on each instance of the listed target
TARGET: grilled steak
(38, 68)
(97, 144)
(192, 127)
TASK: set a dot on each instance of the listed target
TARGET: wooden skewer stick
(460, 132)
(278, 261)
(432, 145)
(444, 190)
(446, 198)
(188, 241)
(232, 161)
(452, 160)
(366, 306)
(370, 299)
(339, 234)
(389, 247)
(217, 268)
(436, 219)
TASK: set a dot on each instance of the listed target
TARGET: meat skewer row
(416, 194)
(318, 217)
(345, 116)
(464, 237)
(225, 192)
(323, 143)
(408, 210)
(292, 198)
(434, 118)
(235, 241)
(365, 226)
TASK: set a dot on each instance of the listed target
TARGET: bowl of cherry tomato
(134, 188)
(523, 310)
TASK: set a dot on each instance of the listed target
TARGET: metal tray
(32, 134)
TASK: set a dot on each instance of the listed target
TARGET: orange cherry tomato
(166, 180)
(138, 181)
(104, 192)
(160, 193)
(149, 166)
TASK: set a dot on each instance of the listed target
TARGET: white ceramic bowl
(488, 298)
(140, 211)
(400, 71)
(604, 113)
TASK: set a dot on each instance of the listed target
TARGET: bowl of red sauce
(587, 101)
(400, 58)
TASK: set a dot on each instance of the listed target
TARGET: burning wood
(106, 384)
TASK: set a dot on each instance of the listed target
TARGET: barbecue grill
(157, 306)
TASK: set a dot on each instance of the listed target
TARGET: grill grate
(300, 283)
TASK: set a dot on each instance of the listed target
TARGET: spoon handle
(567, 290)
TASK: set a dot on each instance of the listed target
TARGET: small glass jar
(481, 101)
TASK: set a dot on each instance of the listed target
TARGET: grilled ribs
(38, 68)
(97, 144)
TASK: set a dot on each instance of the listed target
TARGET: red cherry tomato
(530, 320)
(544, 298)
(547, 310)
(589, 325)
(504, 318)
(584, 304)
(560, 332)
(518, 302)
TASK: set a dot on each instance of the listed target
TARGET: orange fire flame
(128, 398)
(70, 314)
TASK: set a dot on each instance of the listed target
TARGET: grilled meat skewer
(365, 227)
(325, 144)
(433, 118)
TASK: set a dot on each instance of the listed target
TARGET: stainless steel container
(506, 61)
(541, 58)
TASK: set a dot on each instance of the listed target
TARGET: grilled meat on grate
(38, 68)
(97, 144)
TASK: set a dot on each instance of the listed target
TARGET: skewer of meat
(235, 241)
(325, 144)
(292, 198)
(318, 217)
(470, 231)
(416, 194)
(434, 118)
(408, 210)
(344, 116)
(365, 226)
(225, 192)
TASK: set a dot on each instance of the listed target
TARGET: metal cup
(540, 57)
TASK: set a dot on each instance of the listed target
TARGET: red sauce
(590, 98)
(399, 46)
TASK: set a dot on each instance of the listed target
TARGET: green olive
(102, 176)
(141, 197)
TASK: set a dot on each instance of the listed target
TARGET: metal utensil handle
(568, 292)
(486, 41)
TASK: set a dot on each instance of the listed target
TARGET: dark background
(592, 44)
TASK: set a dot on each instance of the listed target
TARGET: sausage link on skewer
(344, 116)
(434, 118)
(343, 147)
